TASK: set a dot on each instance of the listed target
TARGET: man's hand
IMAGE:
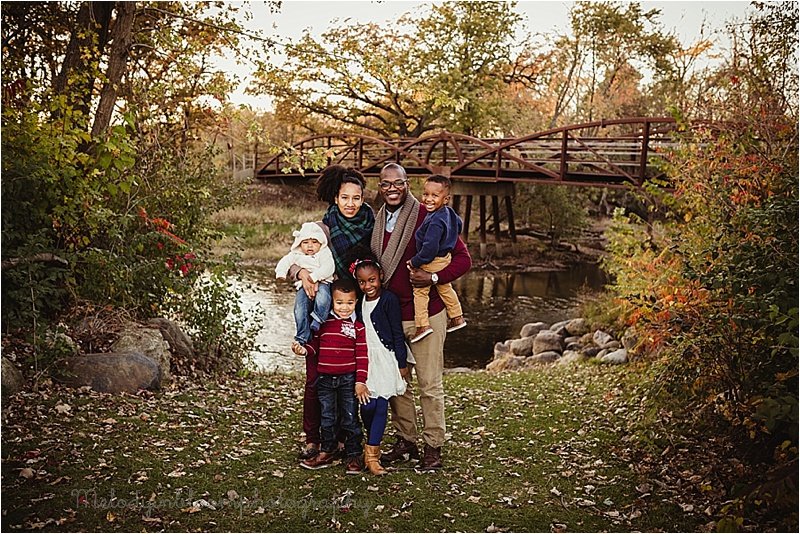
(309, 286)
(362, 393)
(299, 349)
(419, 278)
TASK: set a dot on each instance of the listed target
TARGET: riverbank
(259, 230)
(546, 450)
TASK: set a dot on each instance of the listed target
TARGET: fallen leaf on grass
(26, 472)
(277, 473)
(63, 408)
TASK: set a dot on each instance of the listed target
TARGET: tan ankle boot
(372, 455)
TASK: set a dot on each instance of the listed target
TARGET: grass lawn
(544, 450)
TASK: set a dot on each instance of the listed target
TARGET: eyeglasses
(399, 184)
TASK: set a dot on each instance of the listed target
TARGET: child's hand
(405, 374)
(362, 393)
(299, 349)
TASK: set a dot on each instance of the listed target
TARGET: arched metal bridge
(618, 153)
(610, 153)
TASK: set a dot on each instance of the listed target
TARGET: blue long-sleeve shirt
(437, 235)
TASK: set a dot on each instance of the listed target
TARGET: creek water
(496, 306)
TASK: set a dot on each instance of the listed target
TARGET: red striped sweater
(341, 347)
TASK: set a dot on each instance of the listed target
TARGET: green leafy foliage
(223, 335)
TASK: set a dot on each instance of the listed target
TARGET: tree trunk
(121, 39)
(92, 21)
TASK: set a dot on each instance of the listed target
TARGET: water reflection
(496, 306)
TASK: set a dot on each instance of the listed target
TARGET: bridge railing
(612, 153)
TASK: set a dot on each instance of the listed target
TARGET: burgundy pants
(311, 407)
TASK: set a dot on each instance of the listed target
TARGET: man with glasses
(394, 243)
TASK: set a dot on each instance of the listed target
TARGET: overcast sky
(682, 17)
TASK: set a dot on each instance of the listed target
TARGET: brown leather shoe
(431, 458)
(401, 450)
(354, 466)
(323, 459)
(311, 450)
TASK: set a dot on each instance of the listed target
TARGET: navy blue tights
(374, 414)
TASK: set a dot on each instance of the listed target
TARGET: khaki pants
(446, 291)
(429, 355)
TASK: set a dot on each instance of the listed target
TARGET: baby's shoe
(421, 332)
(456, 323)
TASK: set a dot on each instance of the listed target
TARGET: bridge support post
(482, 225)
(498, 245)
(467, 213)
(512, 230)
(496, 190)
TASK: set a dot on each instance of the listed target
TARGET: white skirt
(383, 375)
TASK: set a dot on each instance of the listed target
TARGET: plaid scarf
(347, 233)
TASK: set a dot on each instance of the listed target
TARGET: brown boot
(431, 458)
(372, 455)
(402, 450)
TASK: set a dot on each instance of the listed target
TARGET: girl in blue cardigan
(379, 310)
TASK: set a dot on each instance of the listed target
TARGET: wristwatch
(434, 278)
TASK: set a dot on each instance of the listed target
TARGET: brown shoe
(354, 466)
(323, 459)
(372, 456)
(431, 458)
(456, 323)
(421, 332)
(402, 450)
(311, 450)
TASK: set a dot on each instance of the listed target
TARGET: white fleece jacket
(320, 265)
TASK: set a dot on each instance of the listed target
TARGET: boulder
(630, 339)
(569, 356)
(600, 338)
(146, 341)
(613, 344)
(571, 339)
(502, 349)
(505, 364)
(546, 341)
(522, 347)
(179, 343)
(558, 326)
(562, 332)
(602, 353)
(590, 352)
(577, 327)
(111, 372)
(615, 357)
(531, 329)
(11, 377)
(541, 358)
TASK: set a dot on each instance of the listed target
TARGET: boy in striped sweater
(340, 348)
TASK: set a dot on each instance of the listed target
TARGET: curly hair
(332, 178)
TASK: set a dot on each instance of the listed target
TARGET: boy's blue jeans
(339, 410)
(317, 309)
